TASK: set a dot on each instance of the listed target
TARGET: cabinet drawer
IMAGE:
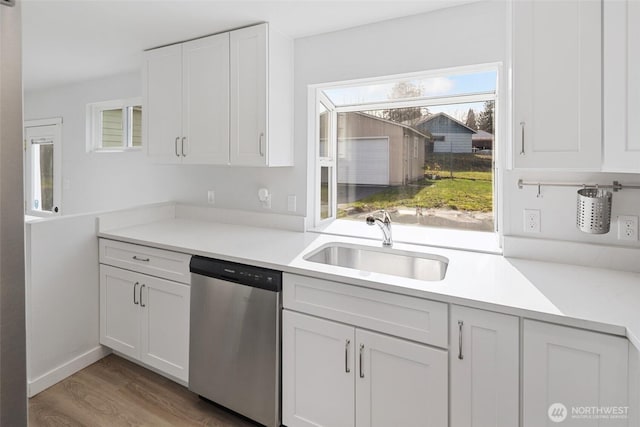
(155, 262)
(403, 316)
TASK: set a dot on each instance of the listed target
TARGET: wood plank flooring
(116, 392)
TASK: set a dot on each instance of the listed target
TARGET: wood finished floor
(116, 392)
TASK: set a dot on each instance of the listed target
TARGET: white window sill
(477, 241)
(116, 150)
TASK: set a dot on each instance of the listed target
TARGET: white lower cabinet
(484, 362)
(336, 375)
(145, 318)
(570, 373)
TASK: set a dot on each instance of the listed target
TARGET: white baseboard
(66, 370)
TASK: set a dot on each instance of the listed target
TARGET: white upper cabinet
(186, 102)
(261, 97)
(225, 99)
(205, 100)
(162, 109)
(621, 86)
(484, 368)
(557, 83)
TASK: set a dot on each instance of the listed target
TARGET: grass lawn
(458, 193)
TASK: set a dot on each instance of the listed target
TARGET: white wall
(62, 298)
(104, 181)
(459, 36)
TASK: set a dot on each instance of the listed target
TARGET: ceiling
(66, 41)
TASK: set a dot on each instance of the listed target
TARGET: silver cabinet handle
(135, 285)
(522, 147)
(346, 356)
(260, 144)
(141, 288)
(460, 323)
(176, 147)
(361, 367)
(137, 258)
(184, 138)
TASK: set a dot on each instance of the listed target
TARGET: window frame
(57, 167)
(315, 93)
(94, 125)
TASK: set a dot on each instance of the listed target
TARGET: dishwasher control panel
(243, 274)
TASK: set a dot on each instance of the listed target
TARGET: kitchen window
(420, 147)
(114, 125)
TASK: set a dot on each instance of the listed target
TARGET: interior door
(165, 326)
(399, 383)
(317, 372)
(43, 164)
(206, 100)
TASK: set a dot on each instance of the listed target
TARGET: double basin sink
(412, 265)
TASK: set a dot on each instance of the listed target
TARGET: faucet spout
(384, 222)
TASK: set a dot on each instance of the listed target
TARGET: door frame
(57, 162)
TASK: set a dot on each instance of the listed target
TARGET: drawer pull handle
(460, 323)
(135, 285)
(361, 363)
(346, 356)
(137, 258)
(141, 288)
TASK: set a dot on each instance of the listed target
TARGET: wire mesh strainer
(594, 211)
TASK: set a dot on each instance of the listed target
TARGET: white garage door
(363, 161)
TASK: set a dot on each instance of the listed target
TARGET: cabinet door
(249, 133)
(399, 383)
(557, 83)
(575, 368)
(317, 372)
(621, 86)
(165, 326)
(162, 109)
(484, 361)
(206, 100)
(119, 310)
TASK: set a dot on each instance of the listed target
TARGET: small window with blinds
(114, 125)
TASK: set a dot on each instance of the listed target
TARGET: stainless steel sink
(412, 265)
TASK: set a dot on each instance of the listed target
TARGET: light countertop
(591, 298)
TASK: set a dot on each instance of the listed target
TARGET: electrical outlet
(291, 203)
(627, 227)
(531, 221)
(211, 197)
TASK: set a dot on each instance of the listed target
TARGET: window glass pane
(324, 130)
(136, 126)
(112, 128)
(326, 209)
(43, 177)
(425, 165)
(457, 84)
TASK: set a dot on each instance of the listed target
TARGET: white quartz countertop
(591, 298)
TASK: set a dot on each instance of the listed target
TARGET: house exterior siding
(404, 163)
(449, 135)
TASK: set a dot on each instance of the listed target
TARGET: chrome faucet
(385, 225)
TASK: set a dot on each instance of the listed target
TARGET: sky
(435, 86)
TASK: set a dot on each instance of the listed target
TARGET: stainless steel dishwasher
(234, 343)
